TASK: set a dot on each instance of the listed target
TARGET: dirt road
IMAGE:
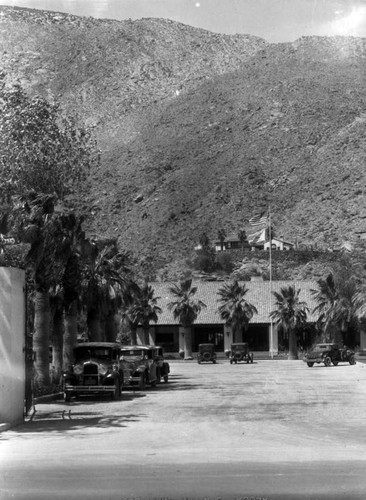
(274, 429)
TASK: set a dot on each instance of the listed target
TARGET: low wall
(12, 363)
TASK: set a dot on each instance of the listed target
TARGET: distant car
(206, 353)
(163, 368)
(328, 354)
(96, 370)
(139, 366)
(240, 352)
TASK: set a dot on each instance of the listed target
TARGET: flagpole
(270, 280)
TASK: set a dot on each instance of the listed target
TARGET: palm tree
(235, 310)
(186, 309)
(290, 314)
(144, 309)
(104, 280)
(49, 234)
(338, 305)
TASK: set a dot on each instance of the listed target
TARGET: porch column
(363, 341)
(228, 337)
(152, 335)
(273, 339)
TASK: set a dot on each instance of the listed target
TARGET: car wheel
(327, 361)
(142, 384)
(352, 360)
(166, 378)
(310, 364)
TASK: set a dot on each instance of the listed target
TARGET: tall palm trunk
(57, 345)
(292, 345)
(41, 340)
(70, 335)
(133, 334)
(188, 342)
(93, 320)
(146, 330)
(110, 328)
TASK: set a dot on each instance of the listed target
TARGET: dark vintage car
(139, 366)
(163, 368)
(96, 370)
(240, 352)
(206, 353)
(328, 354)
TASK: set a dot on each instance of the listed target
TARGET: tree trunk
(292, 345)
(93, 321)
(110, 328)
(238, 334)
(41, 339)
(146, 335)
(133, 334)
(188, 343)
(57, 346)
(70, 335)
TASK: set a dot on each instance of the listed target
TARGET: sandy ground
(269, 413)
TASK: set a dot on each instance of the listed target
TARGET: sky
(274, 20)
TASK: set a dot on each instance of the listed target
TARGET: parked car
(96, 370)
(163, 368)
(206, 353)
(328, 354)
(139, 366)
(240, 352)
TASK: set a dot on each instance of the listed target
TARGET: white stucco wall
(12, 364)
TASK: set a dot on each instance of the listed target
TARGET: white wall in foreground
(12, 337)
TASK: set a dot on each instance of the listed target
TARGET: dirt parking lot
(269, 412)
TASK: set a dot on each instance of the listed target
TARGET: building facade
(261, 335)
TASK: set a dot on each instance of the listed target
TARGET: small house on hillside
(231, 242)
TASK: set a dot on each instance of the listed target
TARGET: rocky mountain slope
(199, 131)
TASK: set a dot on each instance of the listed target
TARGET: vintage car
(206, 353)
(139, 366)
(96, 369)
(240, 352)
(163, 368)
(328, 354)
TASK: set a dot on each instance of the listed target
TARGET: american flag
(258, 220)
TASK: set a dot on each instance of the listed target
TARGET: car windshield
(241, 347)
(133, 352)
(324, 347)
(93, 352)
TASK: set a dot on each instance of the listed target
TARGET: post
(270, 281)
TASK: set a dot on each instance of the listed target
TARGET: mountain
(199, 131)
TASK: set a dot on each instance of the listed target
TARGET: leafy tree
(185, 308)
(290, 314)
(221, 234)
(235, 310)
(40, 148)
(242, 235)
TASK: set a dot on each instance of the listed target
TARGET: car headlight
(78, 369)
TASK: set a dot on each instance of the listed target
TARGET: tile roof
(259, 294)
